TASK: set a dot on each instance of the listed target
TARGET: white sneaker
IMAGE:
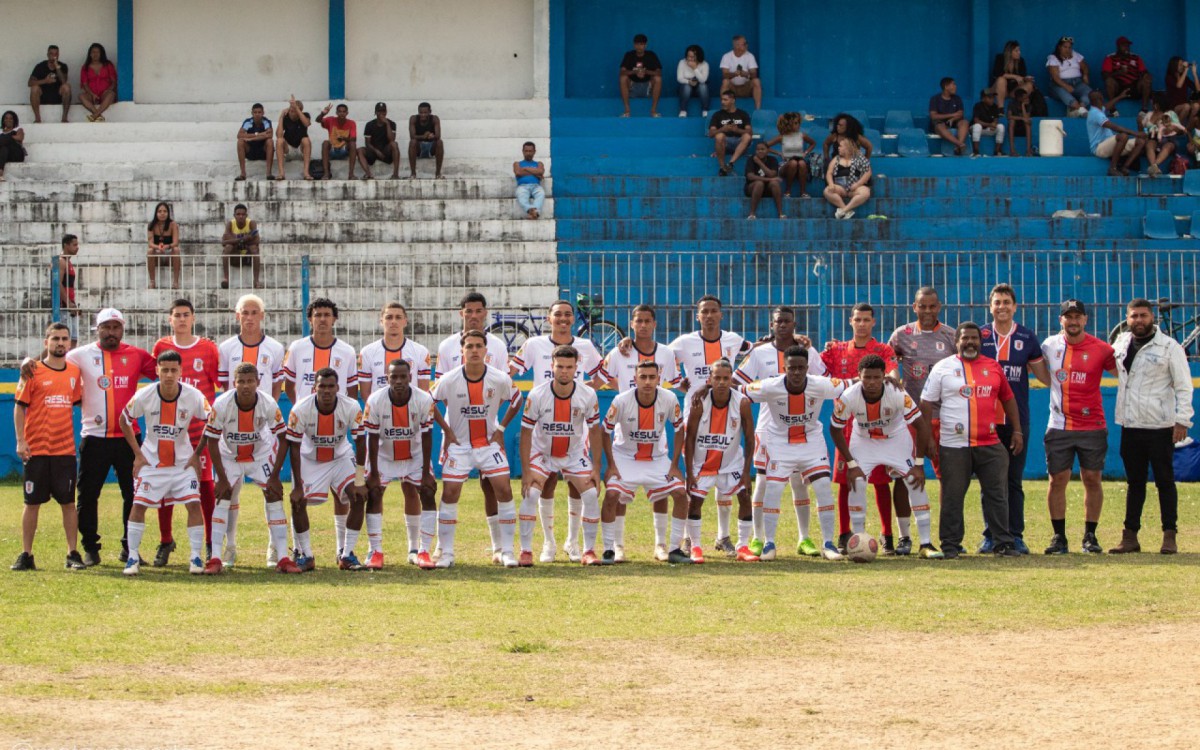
(436, 554)
(547, 553)
(660, 552)
(196, 567)
(133, 566)
(497, 557)
(508, 559)
(574, 554)
(839, 213)
(412, 557)
(229, 558)
(445, 561)
(704, 113)
(619, 554)
(272, 556)
(848, 213)
(683, 114)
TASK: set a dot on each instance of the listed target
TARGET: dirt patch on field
(1122, 686)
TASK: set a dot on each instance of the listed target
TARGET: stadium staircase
(422, 242)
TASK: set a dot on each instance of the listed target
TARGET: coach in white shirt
(1154, 409)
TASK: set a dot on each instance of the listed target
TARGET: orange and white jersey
(246, 435)
(399, 427)
(473, 406)
(1075, 374)
(110, 380)
(167, 443)
(695, 354)
(450, 353)
(884, 419)
(794, 417)
(640, 430)
(304, 358)
(719, 436)
(764, 362)
(375, 357)
(536, 357)
(323, 437)
(622, 368)
(267, 355)
(560, 424)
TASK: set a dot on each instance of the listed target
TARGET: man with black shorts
(379, 143)
(425, 140)
(49, 84)
(42, 419)
(293, 135)
(255, 141)
(730, 129)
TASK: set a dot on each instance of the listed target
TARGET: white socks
(919, 502)
(351, 540)
(724, 510)
(277, 526)
(303, 543)
(660, 529)
(574, 521)
(619, 531)
(507, 518)
(903, 522)
(133, 536)
(677, 527)
(772, 500)
(745, 531)
(546, 513)
(196, 540)
(412, 526)
(857, 502)
(493, 523)
(339, 530)
(235, 507)
(826, 509)
(590, 517)
(609, 532)
(429, 527)
(756, 505)
(528, 517)
(220, 526)
(694, 529)
(447, 521)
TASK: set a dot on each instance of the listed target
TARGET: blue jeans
(1079, 91)
(700, 90)
(530, 196)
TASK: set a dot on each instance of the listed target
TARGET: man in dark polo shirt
(379, 143)
(729, 125)
(947, 117)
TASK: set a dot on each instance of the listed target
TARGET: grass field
(1034, 651)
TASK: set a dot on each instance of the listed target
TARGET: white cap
(107, 314)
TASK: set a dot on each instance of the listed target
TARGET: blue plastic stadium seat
(1191, 186)
(873, 135)
(860, 115)
(912, 142)
(763, 121)
(1159, 225)
(897, 120)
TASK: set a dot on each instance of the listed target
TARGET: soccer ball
(862, 548)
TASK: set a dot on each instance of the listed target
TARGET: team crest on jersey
(198, 365)
(1018, 345)
(124, 360)
(888, 412)
(341, 426)
(264, 359)
(576, 412)
(104, 382)
(985, 372)
(940, 346)
(660, 418)
(957, 372)
(259, 423)
(491, 392)
(918, 370)
(959, 429)
(183, 414)
(965, 391)
(1060, 376)
(29, 488)
(1085, 356)
(96, 360)
(72, 383)
(1087, 412)
(337, 362)
(99, 419)
(986, 333)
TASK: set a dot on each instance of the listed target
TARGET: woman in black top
(12, 140)
(162, 239)
(1008, 73)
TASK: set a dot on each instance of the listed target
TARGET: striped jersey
(536, 357)
(882, 420)
(375, 357)
(50, 397)
(110, 379)
(1014, 352)
(764, 362)
(246, 435)
(167, 442)
(399, 427)
(639, 430)
(267, 355)
(1075, 374)
(794, 417)
(560, 424)
(970, 392)
(304, 358)
(694, 354)
(622, 368)
(719, 436)
(473, 406)
(450, 353)
(323, 437)
(918, 351)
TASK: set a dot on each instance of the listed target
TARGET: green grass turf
(95, 633)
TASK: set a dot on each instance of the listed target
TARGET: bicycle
(1186, 332)
(515, 328)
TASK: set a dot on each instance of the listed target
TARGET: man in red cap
(1125, 75)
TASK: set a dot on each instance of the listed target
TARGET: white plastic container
(1050, 137)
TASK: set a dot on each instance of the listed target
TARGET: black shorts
(240, 259)
(371, 157)
(256, 151)
(1063, 446)
(294, 139)
(51, 94)
(50, 476)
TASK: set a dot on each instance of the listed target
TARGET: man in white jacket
(1154, 409)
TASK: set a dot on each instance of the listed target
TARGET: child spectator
(985, 119)
(1121, 142)
(1020, 122)
(762, 175)
(692, 75)
(97, 83)
(640, 75)
(948, 117)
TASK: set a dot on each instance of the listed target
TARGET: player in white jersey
(399, 419)
(535, 357)
(881, 416)
(375, 357)
(714, 456)
(795, 442)
(246, 433)
(473, 395)
(560, 433)
(695, 352)
(165, 464)
(764, 361)
(324, 461)
(251, 345)
(638, 457)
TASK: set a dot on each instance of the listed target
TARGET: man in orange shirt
(45, 432)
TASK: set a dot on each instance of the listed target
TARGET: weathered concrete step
(235, 112)
(225, 151)
(427, 253)
(185, 167)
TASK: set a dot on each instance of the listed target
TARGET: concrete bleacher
(423, 242)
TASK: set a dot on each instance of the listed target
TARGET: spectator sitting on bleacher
(343, 135)
(729, 124)
(739, 71)
(1009, 74)
(162, 239)
(1183, 93)
(255, 142)
(1125, 73)
(97, 83)
(948, 116)
(762, 175)
(48, 84)
(1069, 77)
(425, 140)
(692, 75)
(293, 135)
(239, 244)
(1020, 122)
(985, 119)
(12, 140)
(529, 174)
(797, 148)
(1160, 126)
(640, 75)
(842, 126)
(1122, 141)
(379, 142)
(847, 177)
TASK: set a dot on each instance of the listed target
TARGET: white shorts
(760, 455)
(159, 487)
(257, 471)
(806, 458)
(577, 465)
(408, 471)
(651, 476)
(728, 484)
(1105, 148)
(895, 454)
(459, 460)
(320, 477)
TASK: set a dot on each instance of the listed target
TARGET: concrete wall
(457, 49)
(29, 27)
(229, 50)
